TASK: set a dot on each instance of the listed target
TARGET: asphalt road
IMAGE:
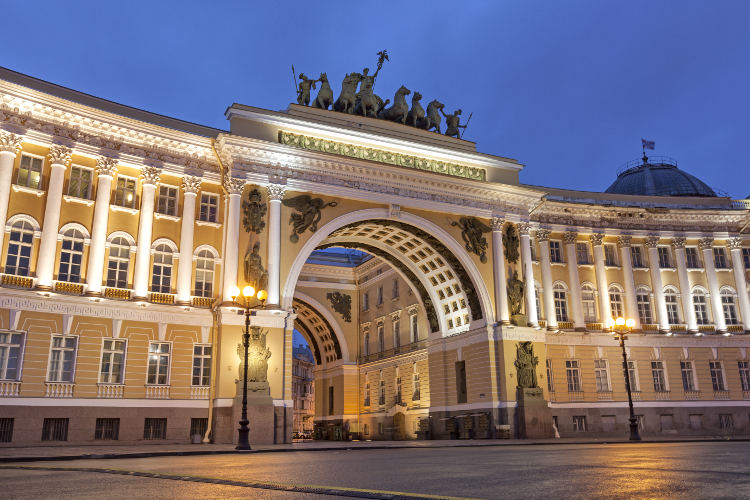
(643, 470)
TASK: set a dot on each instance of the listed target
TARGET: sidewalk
(108, 451)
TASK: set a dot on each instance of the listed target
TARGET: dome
(658, 178)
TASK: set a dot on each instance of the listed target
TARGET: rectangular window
(717, 376)
(610, 255)
(330, 400)
(167, 203)
(113, 362)
(744, 367)
(62, 358)
(366, 343)
(579, 423)
(394, 289)
(573, 372)
(665, 262)
(636, 256)
(582, 253)
(6, 430)
(117, 266)
(396, 333)
(365, 301)
(416, 394)
(398, 391)
(644, 307)
(561, 305)
(198, 427)
(201, 365)
(726, 422)
(55, 429)
(30, 172)
(71, 256)
(555, 251)
(381, 390)
(460, 381)
(413, 328)
(158, 363)
(81, 180)
(589, 304)
(209, 207)
(692, 258)
(657, 373)
(125, 192)
(688, 376)
(601, 373)
(701, 308)
(155, 428)
(746, 257)
(381, 338)
(550, 381)
(633, 376)
(673, 309)
(380, 296)
(11, 345)
(367, 395)
(107, 428)
(720, 258)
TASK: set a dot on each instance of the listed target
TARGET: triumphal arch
(441, 297)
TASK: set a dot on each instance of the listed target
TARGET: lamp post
(621, 327)
(243, 301)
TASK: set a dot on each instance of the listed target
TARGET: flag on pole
(648, 144)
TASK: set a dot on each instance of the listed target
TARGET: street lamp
(243, 301)
(621, 327)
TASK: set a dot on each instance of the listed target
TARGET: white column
(498, 268)
(59, 158)
(151, 177)
(190, 186)
(542, 235)
(275, 195)
(528, 275)
(631, 302)
(738, 266)
(576, 305)
(106, 169)
(234, 189)
(706, 245)
(678, 244)
(602, 285)
(652, 242)
(10, 144)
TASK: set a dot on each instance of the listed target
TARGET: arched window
(643, 300)
(728, 304)
(561, 302)
(119, 259)
(673, 306)
(700, 305)
(615, 302)
(589, 303)
(161, 278)
(204, 274)
(20, 243)
(71, 256)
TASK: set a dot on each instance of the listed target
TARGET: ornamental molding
(60, 155)
(191, 184)
(106, 166)
(497, 223)
(381, 156)
(624, 241)
(735, 243)
(151, 175)
(276, 192)
(234, 185)
(570, 237)
(596, 238)
(542, 234)
(524, 228)
(10, 142)
(706, 243)
(679, 242)
(652, 241)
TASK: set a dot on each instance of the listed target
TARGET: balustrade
(59, 389)
(157, 392)
(110, 390)
(10, 388)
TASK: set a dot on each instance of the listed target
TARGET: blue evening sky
(566, 87)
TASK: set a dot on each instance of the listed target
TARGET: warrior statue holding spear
(452, 123)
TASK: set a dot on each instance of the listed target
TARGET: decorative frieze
(191, 184)
(10, 142)
(596, 238)
(59, 155)
(106, 166)
(151, 175)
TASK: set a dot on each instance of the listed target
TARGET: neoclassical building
(415, 266)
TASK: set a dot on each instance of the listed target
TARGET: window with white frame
(744, 367)
(688, 376)
(582, 253)
(573, 373)
(730, 309)
(209, 207)
(579, 423)
(112, 369)
(365, 301)
(633, 376)
(381, 338)
(643, 301)
(62, 358)
(119, 260)
(415, 382)
(555, 251)
(539, 310)
(396, 323)
(394, 288)
(11, 351)
(20, 244)
(692, 258)
(71, 256)
(700, 305)
(717, 375)
(615, 302)
(81, 180)
(124, 192)
(720, 258)
(659, 376)
(30, 172)
(746, 257)
(201, 365)
(413, 327)
(204, 274)
(610, 255)
(167, 202)
(665, 259)
(158, 363)
(550, 380)
(673, 306)
(161, 277)
(636, 257)
(561, 302)
(588, 300)
(601, 374)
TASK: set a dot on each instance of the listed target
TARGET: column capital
(60, 155)
(234, 185)
(106, 166)
(276, 192)
(735, 243)
(624, 241)
(524, 228)
(596, 238)
(652, 241)
(570, 237)
(191, 184)
(542, 234)
(496, 223)
(9, 142)
(151, 175)
(706, 242)
(679, 242)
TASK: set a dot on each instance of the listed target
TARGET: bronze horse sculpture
(400, 108)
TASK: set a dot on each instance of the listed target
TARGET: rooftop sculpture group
(366, 103)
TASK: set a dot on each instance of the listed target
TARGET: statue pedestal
(534, 415)
(260, 412)
(519, 320)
